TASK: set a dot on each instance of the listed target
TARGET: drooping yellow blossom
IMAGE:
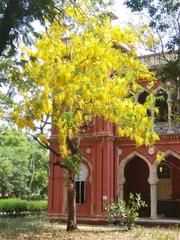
(77, 73)
(42, 138)
(160, 156)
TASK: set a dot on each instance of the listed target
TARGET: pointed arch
(160, 88)
(127, 159)
(89, 166)
(173, 153)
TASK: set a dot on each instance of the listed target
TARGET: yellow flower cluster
(74, 75)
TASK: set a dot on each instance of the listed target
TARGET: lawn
(36, 228)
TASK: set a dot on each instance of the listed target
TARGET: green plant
(23, 165)
(126, 213)
(15, 206)
(36, 207)
(176, 117)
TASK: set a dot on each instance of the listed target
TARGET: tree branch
(48, 147)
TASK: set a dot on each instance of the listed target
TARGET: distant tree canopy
(23, 165)
(16, 27)
(17, 17)
(163, 17)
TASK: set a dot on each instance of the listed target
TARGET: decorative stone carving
(119, 151)
(163, 127)
(88, 150)
(153, 61)
(105, 198)
(151, 151)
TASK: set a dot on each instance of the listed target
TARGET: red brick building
(113, 167)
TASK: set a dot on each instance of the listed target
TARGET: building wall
(98, 151)
(104, 156)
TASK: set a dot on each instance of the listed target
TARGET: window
(142, 99)
(81, 185)
(80, 191)
(164, 171)
(161, 104)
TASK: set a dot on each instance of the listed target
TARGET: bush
(126, 213)
(37, 206)
(15, 207)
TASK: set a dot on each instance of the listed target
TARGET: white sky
(124, 14)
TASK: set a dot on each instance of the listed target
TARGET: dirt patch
(32, 230)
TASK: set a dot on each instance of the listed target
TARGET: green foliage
(126, 213)
(163, 17)
(36, 206)
(68, 117)
(176, 117)
(73, 162)
(18, 17)
(16, 206)
(23, 165)
(11, 205)
(171, 71)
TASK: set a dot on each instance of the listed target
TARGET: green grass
(39, 228)
(10, 228)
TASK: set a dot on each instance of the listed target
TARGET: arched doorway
(168, 190)
(136, 174)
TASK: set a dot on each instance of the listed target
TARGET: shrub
(15, 206)
(37, 206)
(126, 213)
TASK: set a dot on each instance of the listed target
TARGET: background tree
(78, 71)
(20, 22)
(23, 165)
(163, 17)
(17, 17)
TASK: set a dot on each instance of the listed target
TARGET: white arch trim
(89, 166)
(127, 159)
(173, 153)
(160, 88)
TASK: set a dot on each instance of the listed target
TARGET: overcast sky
(124, 14)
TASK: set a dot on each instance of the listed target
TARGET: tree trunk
(71, 201)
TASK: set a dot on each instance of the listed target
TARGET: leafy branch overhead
(68, 81)
(82, 68)
(17, 16)
(163, 17)
(16, 19)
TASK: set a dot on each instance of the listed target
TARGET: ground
(36, 228)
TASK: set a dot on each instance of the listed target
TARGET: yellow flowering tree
(76, 71)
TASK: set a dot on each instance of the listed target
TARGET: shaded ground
(30, 228)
